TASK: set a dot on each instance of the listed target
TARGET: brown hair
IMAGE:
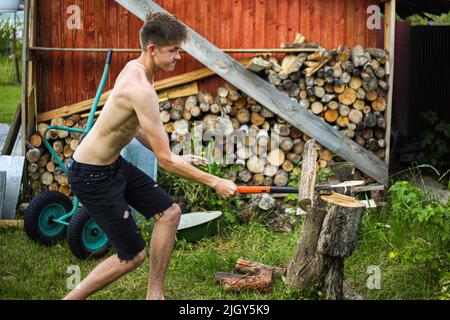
(162, 29)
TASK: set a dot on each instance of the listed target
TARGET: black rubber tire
(34, 210)
(75, 233)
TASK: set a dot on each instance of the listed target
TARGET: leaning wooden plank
(13, 132)
(189, 89)
(268, 95)
(159, 85)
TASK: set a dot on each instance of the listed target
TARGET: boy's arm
(147, 110)
(140, 136)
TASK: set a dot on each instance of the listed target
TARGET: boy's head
(161, 36)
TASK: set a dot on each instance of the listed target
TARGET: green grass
(30, 271)
(399, 280)
(10, 96)
(8, 70)
(412, 256)
(409, 242)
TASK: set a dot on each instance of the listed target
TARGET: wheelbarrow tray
(197, 225)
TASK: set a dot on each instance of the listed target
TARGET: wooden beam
(2, 192)
(13, 132)
(189, 89)
(389, 45)
(25, 75)
(28, 108)
(159, 85)
(123, 50)
(31, 89)
(268, 96)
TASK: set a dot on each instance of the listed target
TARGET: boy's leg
(161, 246)
(149, 199)
(106, 272)
(101, 190)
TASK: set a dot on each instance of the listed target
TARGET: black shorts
(108, 191)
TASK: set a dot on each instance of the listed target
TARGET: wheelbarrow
(51, 216)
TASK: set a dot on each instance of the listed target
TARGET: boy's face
(166, 57)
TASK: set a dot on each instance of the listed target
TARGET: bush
(408, 241)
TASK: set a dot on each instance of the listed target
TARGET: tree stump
(329, 232)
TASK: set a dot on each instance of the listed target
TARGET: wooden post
(14, 50)
(2, 191)
(389, 46)
(308, 178)
(25, 76)
(31, 78)
(28, 101)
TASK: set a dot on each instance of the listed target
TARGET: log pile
(243, 133)
(43, 170)
(346, 87)
(254, 276)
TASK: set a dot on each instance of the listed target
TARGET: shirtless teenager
(107, 184)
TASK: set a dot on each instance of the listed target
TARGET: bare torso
(118, 123)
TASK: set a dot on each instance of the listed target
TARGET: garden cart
(51, 215)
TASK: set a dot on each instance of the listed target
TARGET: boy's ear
(151, 48)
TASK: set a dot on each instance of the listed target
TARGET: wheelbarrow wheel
(85, 238)
(40, 214)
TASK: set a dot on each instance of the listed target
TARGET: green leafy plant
(412, 205)
(443, 19)
(444, 284)
(199, 197)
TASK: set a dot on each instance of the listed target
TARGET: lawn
(410, 267)
(407, 241)
(40, 272)
(10, 96)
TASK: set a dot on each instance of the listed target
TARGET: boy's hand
(225, 188)
(194, 159)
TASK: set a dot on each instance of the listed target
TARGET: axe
(322, 188)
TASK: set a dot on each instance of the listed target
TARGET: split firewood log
(281, 178)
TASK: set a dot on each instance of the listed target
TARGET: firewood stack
(346, 87)
(241, 129)
(43, 171)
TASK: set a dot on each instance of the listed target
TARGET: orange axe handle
(266, 189)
